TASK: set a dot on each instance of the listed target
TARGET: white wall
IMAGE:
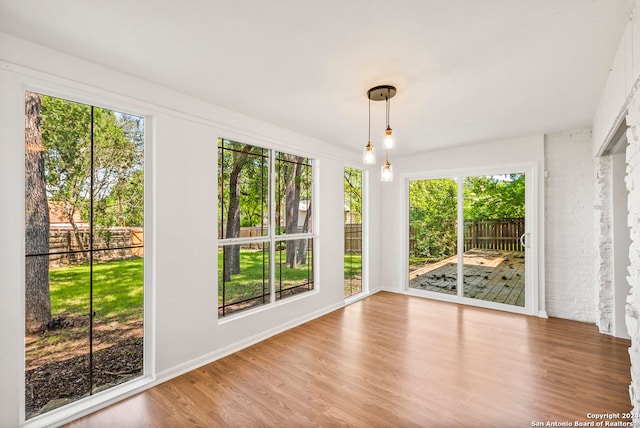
(621, 82)
(569, 220)
(478, 156)
(182, 165)
(11, 253)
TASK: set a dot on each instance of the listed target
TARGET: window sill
(268, 306)
(90, 404)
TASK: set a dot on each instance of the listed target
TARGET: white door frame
(532, 303)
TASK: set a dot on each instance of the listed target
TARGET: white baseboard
(195, 363)
(360, 296)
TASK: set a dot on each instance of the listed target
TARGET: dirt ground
(57, 361)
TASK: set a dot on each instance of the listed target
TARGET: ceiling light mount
(381, 93)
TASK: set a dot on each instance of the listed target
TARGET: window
(265, 228)
(84, 240)
(352, 231)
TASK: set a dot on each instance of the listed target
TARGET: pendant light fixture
(386, 174)
(381, 93)
(369, 151)
(389, 141)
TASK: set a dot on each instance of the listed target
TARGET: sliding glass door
(433, 242)
(494, 225)
(468, 239)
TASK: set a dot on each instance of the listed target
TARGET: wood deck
(494, 276)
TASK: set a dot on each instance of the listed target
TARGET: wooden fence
(249, 232)
(501, 234)
(66, 246)
(353, 238)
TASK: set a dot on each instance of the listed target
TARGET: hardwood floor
(401, 361)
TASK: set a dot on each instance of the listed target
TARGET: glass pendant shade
(386, 172)
(389, 141)
(369, 154)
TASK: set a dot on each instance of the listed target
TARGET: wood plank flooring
(392, 360)
(489, 275)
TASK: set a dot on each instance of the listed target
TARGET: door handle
(524, 241)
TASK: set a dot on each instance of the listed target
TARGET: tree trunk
(292, 206)
(304, 243)
(76, 233)
(37, 298)
(232, 252)
(120, 220)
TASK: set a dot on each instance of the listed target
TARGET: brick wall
(633, 300)
(569, 222)
(603, 241)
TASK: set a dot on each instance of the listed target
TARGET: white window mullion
(365, 231)
(272, 227)
(460, 232)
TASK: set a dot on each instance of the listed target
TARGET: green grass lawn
(118, 285)
(253, 279)
(117, 289)
(352, 274)
(352, 265)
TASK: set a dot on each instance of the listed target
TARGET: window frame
(364, 236)
(272, 238)
(78, 94)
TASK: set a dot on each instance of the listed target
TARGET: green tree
(243, 183)
(240, 167)
(254, 184)
(66, 130)
(494, 197)
(433, 209)
(294, 185)
(115, 163)
(353, 193)
(120, 148)
(432, 215)
(61, 165)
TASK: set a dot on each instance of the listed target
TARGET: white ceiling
(466, 70)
